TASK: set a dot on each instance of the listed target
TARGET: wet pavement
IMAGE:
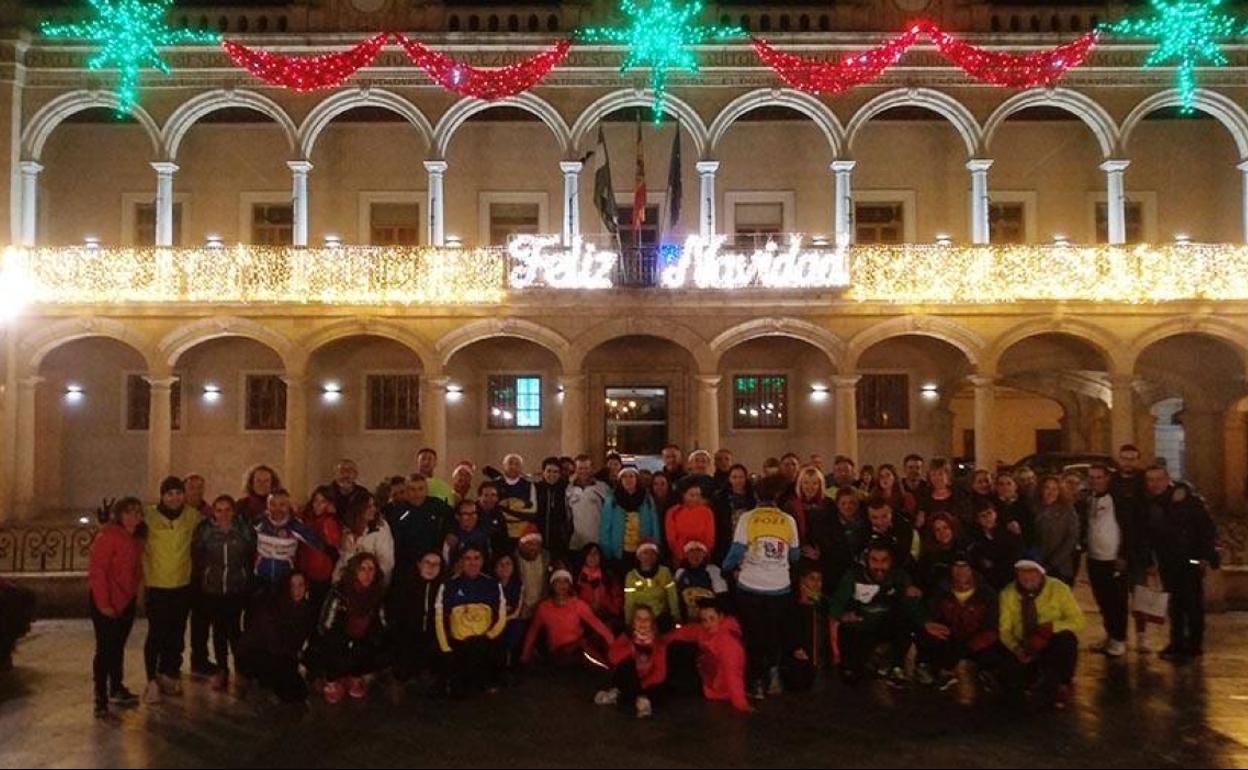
(1139, 712)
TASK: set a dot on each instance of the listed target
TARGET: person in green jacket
(1039, 623)
(651, 585)
(171, 528)
(875, 603)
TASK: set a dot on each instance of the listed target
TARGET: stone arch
(464, 109)
(618, 100)
(57, 111)
(1230, 332)
(827, 342)
(969, 342)
(1096, 117)
(798, 101)
(182, 339)
(1222, 108)
(36, 346)
(941, 103)
(364, 326)
(324, 113)
(629, 326)
(190, 112)
(1107, 344)
(486, 328)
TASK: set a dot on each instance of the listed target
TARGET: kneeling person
(875, 603)
(1039, 622)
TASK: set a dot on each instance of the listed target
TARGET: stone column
(1203, 437)
(843, 205)
(980, 230)
(1236, 453)
(571, 199)
(706, 197)
(572, 440)
(433, 415)
(24, 459)
(1116, 199)
(985, 400)
(1122, 411)
(164, 202)
(845, 400)
(159, 429)
(1244, 168)
(708, 411)
(299, 201)
(8, 427)
(30, 201)
(296, 438)
(437, 224)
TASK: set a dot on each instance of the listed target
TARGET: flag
(674, 188)
(639, 185)
(604, 194)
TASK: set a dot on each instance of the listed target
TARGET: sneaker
(1115, 649)
(946, 681)
(169, 685)
(356, 688)
(644, 709)
(333, 693)
(1102, 646)
(101, 709)
(123, 697)
(607, 697)
(1061, 697)
(923, 675)
(774, 685)
(151, 695)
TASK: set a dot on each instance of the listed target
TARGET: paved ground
(1139, 712)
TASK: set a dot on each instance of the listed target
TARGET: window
(508, 219)
(758, 219)
(272, 224)
(884, 402)
(139, 403)
(882, 222)
(643, 237)
(1134, 212)
(394, 224)
(760, 401)
(145, 224)
(266, 402)
(515, 401)
(393, 402)
(1007, 222)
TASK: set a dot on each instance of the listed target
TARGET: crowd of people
(700, 576)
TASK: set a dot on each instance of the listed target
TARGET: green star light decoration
(1187, 33)
(659, 36)
(130, 34)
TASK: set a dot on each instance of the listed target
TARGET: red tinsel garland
(485, 83)
(815, 76)
(1041, 68)
(306, 73)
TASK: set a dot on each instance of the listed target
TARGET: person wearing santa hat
(533, 565)
(628, 518)
(1038, 623)
(560, 622)
(698, 579)
(651, 585)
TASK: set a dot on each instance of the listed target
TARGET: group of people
(700, 576)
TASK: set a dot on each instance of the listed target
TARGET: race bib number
(865, 593)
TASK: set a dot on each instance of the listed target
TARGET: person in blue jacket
(628, 518)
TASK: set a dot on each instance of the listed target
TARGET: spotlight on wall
(333, 242)
(331, 392)
(819, 391)
(454, 242)
(91, 242)
(74, 393)
(1182, 239)
(212, 392)
(820, 241)
(944, 239)
(454, 392)
(929, 391)
(215, 241)
(1061, 241)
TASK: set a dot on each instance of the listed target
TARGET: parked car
(1057, 463)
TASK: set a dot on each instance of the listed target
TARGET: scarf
(362, 603)
(1031, 617)
(629, 502)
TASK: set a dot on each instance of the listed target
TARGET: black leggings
(1186, 586)
(1054, 665)
(108, 666)
(223, 614)
(475, 664)
(167, 610)
(762, 621)
(626, 679)
(857, 640)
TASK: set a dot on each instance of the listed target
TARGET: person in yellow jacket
(171, 525)
(651, 585)
(1039, 623)
(470, 615)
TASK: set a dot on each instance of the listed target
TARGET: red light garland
(819, 77)
(1041, 68)
(485, 83)
(306, 73)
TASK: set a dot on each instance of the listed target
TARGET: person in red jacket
(317, 566)
(114, 576)
(962, 625)
(638, 661)
(599, 588)
(563, 618)
(691, 520)
(721, 656)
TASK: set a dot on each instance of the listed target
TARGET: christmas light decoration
(1042, 68)
(823, 77)
(306, 73)
(705, 265)
(485, 83)
(659, 36)
(1187, 34)
(130, 34)
(543, 260)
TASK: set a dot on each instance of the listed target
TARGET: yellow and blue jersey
(469, 608)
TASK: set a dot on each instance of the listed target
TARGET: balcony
(402, 276)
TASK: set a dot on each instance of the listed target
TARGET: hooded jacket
(686, 524)
(277, 545)
(469, 608)
(614, 531)
(721, 660)
(874, 601)
(973, 622)
(224, 558)
(116, 568)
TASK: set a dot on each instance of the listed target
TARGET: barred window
(1133, 214)
(393, 402)
(139, 403)
(879, 222)
(145, 224)
(272, 224)
(266, 402)
(515, 401)
(1007, 222)
(760, 401)
(884, 402)
(394, 224)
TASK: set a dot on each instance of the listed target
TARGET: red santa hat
(531, 533)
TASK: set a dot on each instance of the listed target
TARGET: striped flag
(604, 194)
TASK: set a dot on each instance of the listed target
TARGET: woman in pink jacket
(690, 521)
(114, 576)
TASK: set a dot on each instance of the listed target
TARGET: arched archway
(477, 331)
(196, 109)
(823, 117)
(54, 113)
(942, 104)
(587, 121)
(1083, 107)
(345, 101)
(464, 109)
